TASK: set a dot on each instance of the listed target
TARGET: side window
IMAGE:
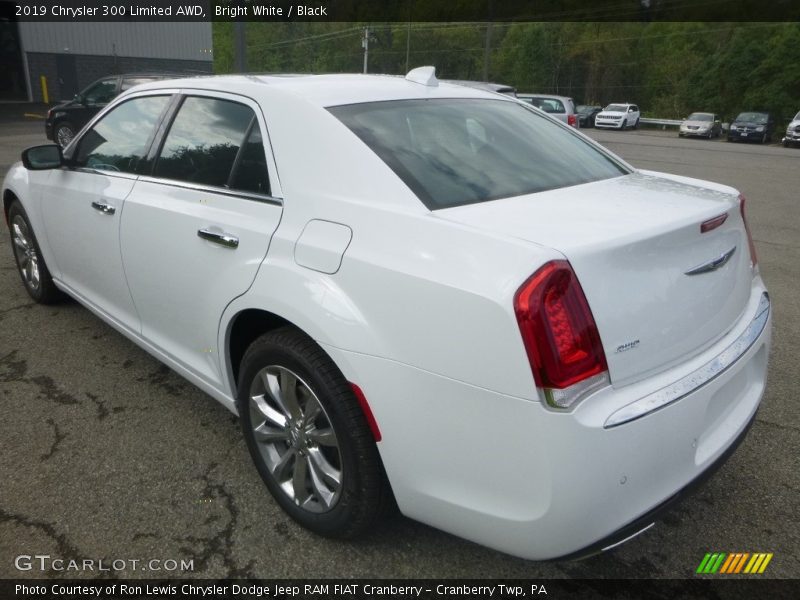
(204, 141)
(250, 172)
(101, 92)
(120, 139)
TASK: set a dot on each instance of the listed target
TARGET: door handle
(104, 208)
(223, 239)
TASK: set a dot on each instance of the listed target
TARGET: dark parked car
(754, 126)
(587, 113)
(66, 119)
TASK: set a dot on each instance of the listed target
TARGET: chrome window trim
(699, 377)
(212, 189)
(92, 171)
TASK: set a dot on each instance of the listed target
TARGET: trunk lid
(631, 241)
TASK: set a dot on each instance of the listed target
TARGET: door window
(121, 138)
(250, 171)
(204, 141)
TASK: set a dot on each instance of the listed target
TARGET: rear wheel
(636, 125)
(308, 436)
(30, 262)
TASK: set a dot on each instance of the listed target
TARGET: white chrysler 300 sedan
(413, 292)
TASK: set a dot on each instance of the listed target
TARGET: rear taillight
(560, 335)
(753, 258)
(572, 120)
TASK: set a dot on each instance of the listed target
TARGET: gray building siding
(182, 41)
(91, 68)
(101, 49)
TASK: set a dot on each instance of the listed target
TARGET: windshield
(616, 108)
(700, 117)
(462, 151)
(752, 117)
(548, 105)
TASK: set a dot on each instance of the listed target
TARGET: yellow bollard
(45, 95)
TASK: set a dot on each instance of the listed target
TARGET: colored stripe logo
(734, 563)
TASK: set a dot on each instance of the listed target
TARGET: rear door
(197, 228)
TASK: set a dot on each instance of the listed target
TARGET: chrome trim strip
(629, 538)
(212, 190)
(713, 264)
(699, 377)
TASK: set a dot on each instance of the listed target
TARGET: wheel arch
(243, 329)
(8, 197)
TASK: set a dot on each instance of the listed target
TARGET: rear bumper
(510, 474)
(647, 520)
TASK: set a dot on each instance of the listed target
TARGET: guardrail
(662, 122)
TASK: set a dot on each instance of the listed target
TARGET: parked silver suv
(560, 107)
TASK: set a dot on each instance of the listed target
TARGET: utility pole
(365, 45)
(239, 47)
(487, 49)
(408, 42)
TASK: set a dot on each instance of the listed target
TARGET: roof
(328, 90)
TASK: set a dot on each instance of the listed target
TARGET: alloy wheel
(64, 135)
(295, 438)
(25, 253)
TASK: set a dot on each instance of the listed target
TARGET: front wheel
(64, 133)
(308, 436)
(624, 125)
(30, 262)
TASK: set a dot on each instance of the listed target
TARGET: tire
(323, 470)
(30, 263)
(636, 125)
(785, 144)
(764, 138)
(624, 125)
(63, 133)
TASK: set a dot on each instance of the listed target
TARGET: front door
(82, 206)
(195, 233)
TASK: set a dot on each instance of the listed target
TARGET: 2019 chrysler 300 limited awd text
(413, 293)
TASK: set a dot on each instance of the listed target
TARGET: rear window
(463, 151)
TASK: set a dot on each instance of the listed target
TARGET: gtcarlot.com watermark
(45, 562)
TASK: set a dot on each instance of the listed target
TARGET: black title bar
(403, 10)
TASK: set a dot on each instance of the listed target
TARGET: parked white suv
(413, 292)
(618, 116)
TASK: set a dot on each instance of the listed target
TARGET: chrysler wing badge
(712, 265)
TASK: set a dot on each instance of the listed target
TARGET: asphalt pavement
(107, 454)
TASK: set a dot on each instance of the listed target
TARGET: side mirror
(41, 158)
